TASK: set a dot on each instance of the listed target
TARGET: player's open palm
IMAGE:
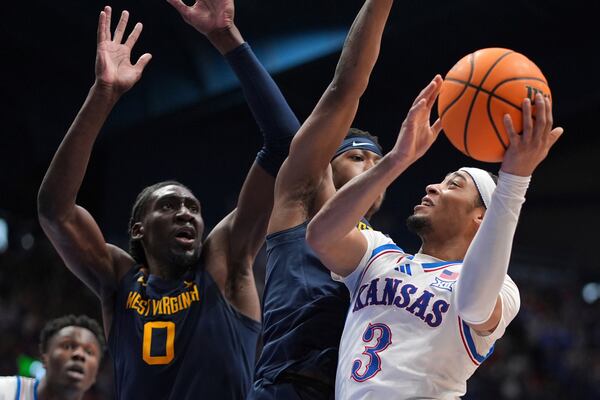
(527, 150)
(417, 134)
(206, 16)
(114, 69)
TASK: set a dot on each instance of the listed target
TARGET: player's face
(72, 359)
(449, 208)
(173, 226)
(353, 163)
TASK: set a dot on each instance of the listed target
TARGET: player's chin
(186, 256)
(418, 223)
(76, 381)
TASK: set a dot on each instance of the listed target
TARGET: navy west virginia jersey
(179, 340)
(304, 311)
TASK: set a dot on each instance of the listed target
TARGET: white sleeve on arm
(374, 240)
(486, 262)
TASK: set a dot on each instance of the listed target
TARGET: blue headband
(360, 143)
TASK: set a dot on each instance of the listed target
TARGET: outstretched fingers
(549, 118)
(555, 134)
(103, 32)
(179, 5)
(437, 127)
(134, 35)
(430, 92)
(142, 62)
(120, 30)
(528, 124)
(513, 136)
(100, 35)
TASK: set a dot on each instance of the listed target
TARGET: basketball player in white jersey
(419, 325)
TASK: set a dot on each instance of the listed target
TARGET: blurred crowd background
(186, 119)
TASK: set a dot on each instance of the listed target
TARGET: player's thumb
(143, 61)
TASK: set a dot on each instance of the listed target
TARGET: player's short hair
(136, 250)
(355, 132)
(83, 321)
(479, 199)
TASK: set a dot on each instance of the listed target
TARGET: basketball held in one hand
(476, 94)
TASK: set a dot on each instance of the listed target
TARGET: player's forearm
(361, 48)
(318, 140)
(486, 262)
(343, 211)
(271, 111)
(58, 191)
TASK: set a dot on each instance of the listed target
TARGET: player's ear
(137, 231)
(478, 217)
(44, 358)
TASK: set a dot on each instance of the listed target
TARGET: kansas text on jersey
(402, 336)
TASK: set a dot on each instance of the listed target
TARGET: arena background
(187, 120)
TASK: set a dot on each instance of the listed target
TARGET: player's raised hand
(206, 16)
(527, 150)
(114, 70)
(417, 134)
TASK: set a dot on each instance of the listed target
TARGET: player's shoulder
(7, 381)
(379, 241)
(122, 261)
(10, 386)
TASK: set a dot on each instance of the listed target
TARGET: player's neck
(164, 269)
(47, 391)
(447, 250)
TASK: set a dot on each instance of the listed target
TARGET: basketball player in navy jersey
(181, 315)
(304, 309)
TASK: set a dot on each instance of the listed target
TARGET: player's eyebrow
(456, 174)
(173, 196)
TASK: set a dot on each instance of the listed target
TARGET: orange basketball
(476, 94)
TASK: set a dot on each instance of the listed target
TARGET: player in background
(181, 315)
(419, 325)
(71, 348)
(303, 308)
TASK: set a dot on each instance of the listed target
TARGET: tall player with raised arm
(419, 325)
(181, 315)
(303, 308)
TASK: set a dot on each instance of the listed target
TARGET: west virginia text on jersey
(179, 339)
(166, 305)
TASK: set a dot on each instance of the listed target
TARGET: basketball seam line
(493, 94)
(487, 74)
(466, 83)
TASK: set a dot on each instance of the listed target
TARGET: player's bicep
(80, 243)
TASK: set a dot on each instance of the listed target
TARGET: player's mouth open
(185, 236)
(75, 371)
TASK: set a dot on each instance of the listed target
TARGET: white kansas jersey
(403, 338)
(18, 388)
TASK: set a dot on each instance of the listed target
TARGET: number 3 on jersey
(168, 353)
(384, 339)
